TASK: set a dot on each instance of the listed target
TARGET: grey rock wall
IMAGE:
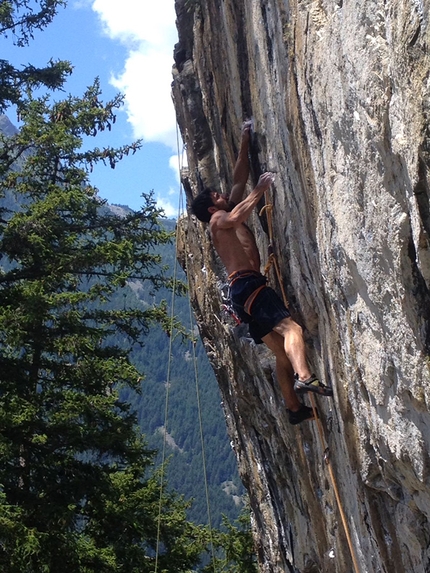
(339, 94)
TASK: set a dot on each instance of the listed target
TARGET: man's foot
(303, 414)
(312, 384)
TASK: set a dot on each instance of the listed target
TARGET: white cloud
(169, 209)
(176, 164)
(147, 29)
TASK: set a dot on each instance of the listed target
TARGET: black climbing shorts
(267, 309)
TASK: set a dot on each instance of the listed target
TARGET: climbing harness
(272, 261)
(227, 305)
(251, 298)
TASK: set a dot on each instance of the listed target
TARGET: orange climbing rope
(272, 261)
(326, 450)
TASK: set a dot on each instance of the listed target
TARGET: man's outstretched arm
(241, 168)
(227, 219)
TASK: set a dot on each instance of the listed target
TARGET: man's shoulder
(218, 218)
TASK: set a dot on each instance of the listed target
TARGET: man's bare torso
(236, 247)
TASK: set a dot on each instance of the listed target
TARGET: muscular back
(236, 247)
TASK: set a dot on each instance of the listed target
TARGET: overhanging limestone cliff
(339, 94)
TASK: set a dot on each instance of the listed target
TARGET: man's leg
(294, 346)
(284, 370)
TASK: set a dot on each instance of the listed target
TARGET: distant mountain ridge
(6, 126)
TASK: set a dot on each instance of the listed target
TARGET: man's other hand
(265, 180)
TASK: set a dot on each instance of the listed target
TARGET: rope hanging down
(181, 210)
(272, 261)
(199, 408)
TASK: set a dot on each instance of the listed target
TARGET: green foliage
(22, 17)
(19, 19)
(233, 547)
(16, 82)
(75, 488)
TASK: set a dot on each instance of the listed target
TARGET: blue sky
(129, 45)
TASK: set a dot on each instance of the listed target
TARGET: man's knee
(288, 326)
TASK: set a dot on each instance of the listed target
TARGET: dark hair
(201, 204)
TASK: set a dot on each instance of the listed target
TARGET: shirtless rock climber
(253, 301)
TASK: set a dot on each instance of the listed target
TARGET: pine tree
(18, 20)
(76, 490)
(234, 547)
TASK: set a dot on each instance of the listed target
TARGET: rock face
(339, 95)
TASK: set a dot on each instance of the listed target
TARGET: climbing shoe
(303, 414)
(312, 384)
